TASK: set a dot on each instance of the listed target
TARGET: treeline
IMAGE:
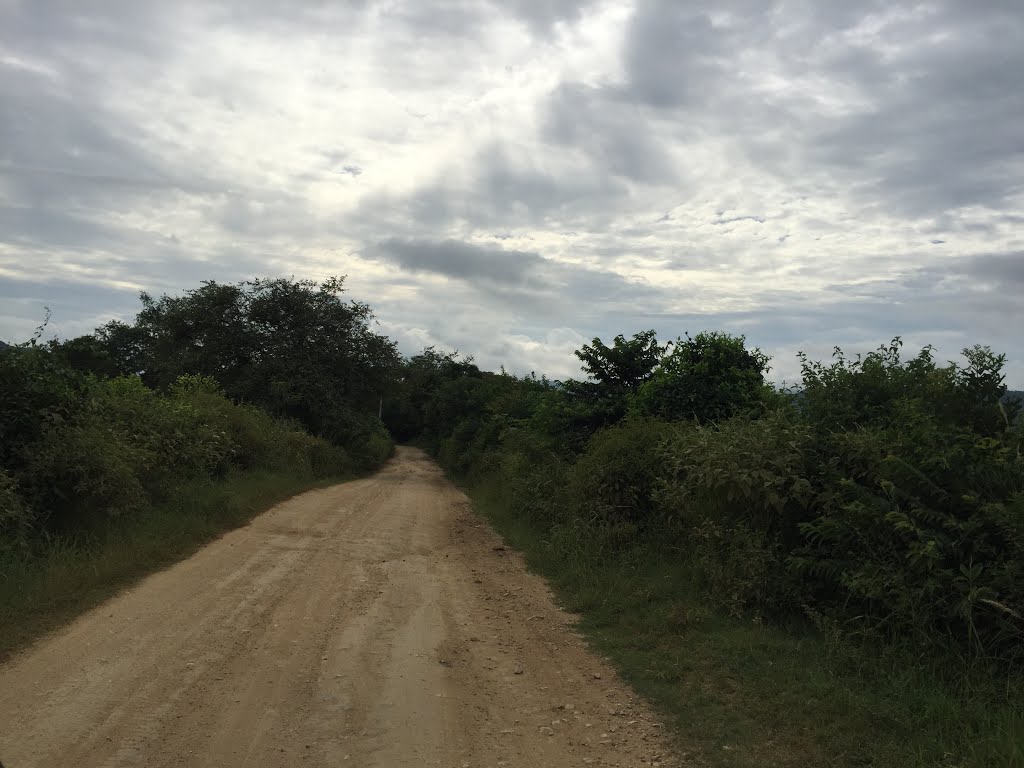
(267, 375)
(882, 498)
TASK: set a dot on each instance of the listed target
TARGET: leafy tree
(981, 386)
(39, 392)
(624, 366)
(127, 346)
(412, 409)
(875, 388)
(614, 372)
(294, 347)
(709, 377)
(86, 354)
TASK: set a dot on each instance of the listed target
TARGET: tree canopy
(293, 347)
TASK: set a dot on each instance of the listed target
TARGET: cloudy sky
(513, 177)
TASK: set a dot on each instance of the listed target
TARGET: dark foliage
(223, 378)
(886, 496)
(292, 347)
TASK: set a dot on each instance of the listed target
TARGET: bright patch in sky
(513, 178)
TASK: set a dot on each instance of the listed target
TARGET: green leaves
(615, 373)
(39, 392)
(875, 388)
(615, 480)
(886, 495)
(917, 534)
(707, 378)
(624, 366)
(222, 377)
(293, 347)
(16, 517)
(127, 446)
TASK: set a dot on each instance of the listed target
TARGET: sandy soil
(375, 623)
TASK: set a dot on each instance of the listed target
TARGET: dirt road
(375, 623)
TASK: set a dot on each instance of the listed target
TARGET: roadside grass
(740, 694)
(67, 575)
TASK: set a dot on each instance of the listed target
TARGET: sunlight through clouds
(484, 172)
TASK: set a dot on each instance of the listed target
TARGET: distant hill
(1014, 394)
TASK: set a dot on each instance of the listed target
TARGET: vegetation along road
(378, 622)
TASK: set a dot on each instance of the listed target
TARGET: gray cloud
(807, 173)
(58, 27)
(54, 148)
(937, 127)
(613, 133)
(922, 145)
(505, 191)
(327, 17)
(524, 280)
(501, 191)
(674, 56)
(1005, 268)
(463, 261)
(542, 15)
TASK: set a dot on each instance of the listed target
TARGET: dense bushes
(15, 516)
(101, 449)
(919, 533)
(889, 499)
(709, 377)
(912, 531)
(294, 348)
(735, 493)
(221, 380)
(884, 495)
(38, 391)
(613, 483)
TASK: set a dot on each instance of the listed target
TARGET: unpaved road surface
(375, 623)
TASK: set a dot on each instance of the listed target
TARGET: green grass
(69, 575)
(740, 694)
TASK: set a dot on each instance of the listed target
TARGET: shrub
(372, 448)
(254, 435)
(613, 483)
(326, 460)
(39, 393)
(919, 532)
(867, 391)
(736, 493)
(531, 479)
(124, 446)
(188, 441)
(16, 517)
(709, 377)
(88, 470)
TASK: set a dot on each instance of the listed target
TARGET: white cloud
(807, 174)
